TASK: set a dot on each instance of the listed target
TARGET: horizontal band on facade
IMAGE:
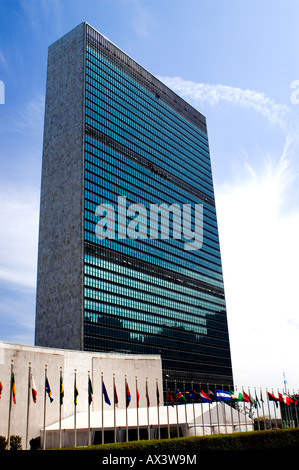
(118, 258)
(112, 143)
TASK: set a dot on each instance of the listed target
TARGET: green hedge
(255, 440)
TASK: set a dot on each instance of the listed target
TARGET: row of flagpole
(201, 396)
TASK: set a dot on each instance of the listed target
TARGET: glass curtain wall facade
(149, 295)
(117, 137)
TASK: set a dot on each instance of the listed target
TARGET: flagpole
(137, 408)
(60, 407)
(127, 433)
(264, 417)
(28, 405)
(295, 406)
(288, 412)
(114, 408)
(275, 412)
(257, 411)
(217, 408)
(158, 408)
(239, 419)
(89, 403)
(147, 405)
(10, 400)
(177, 411)
(75, 410)
(244, 406)
(201, 407)
(192, 388)
(224, 411)
(270, 424)
(102, 408)
(45, 405)
(168, 427)
(286, 409)
(231, 408)
(185, 402)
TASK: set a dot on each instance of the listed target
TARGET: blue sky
(235, 61)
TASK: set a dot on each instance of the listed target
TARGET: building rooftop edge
(7, 344)
(185, 108)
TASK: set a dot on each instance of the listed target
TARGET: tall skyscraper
(129, 257)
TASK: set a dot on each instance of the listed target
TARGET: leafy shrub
(15, 443)
(3, 443)
(34, 443)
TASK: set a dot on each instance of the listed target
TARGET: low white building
(26, 418)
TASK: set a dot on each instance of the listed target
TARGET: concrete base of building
(26, 418)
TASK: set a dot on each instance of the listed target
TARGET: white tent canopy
(192, 420)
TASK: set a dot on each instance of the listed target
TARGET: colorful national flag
(33, 389)
(223, 395)
(76, 393)
(246, 397)
(236, 396)
(147, 395)
(170, 397)
(48, 390)
(191, 394)
(158, 395)
(257, 400)
(212, 396)
(281, 398)
(1, 388)
(14, 388)
(271, 397)
(115, 396)
(105, 394)
(289, 400)
(138, 397)
(128, 395)
(180, 396)
(90, 391)
(61, 390)
(204, 397)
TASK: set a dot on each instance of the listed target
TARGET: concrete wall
(59, 304)
(141, 366)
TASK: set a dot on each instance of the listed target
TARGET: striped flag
(14, 388)
(158, 396)
(33, 389)
(147, 395)
(90, 391)
(76, 393)
(138, 397)
(115, 396)
(48, 390)
(170, 397)
(61, 390)
(204, 397)
(223, 396)
(128, 395)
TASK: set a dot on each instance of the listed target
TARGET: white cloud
(259, 242)
(19, 209)
(258, 218)
(215, 94)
